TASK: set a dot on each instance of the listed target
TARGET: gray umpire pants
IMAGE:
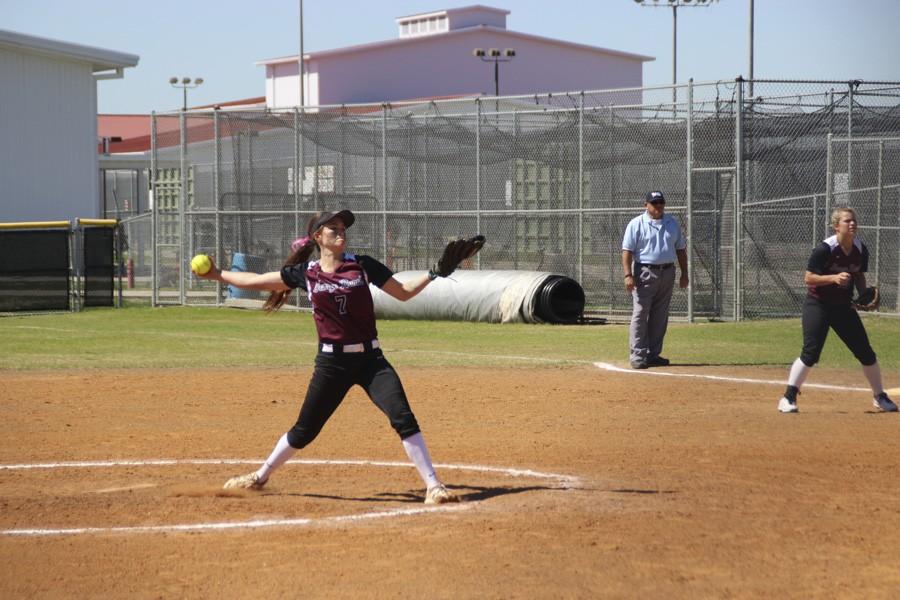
(650, 311)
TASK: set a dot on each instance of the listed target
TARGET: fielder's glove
(868, 299)
(456, 252)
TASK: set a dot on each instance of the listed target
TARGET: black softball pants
(333, 377)
(818, 317)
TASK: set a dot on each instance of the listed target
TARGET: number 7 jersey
(341, 301)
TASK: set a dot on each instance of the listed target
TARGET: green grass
(143, 337)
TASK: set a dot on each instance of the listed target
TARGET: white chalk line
(255, 524)
(823, 386)
(565, 482)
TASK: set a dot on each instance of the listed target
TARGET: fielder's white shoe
(883, 403)
(439, 495)
(249, 481)
(786, 406)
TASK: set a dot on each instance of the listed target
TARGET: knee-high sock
(873, 374)
(798, 374)
(282, 452)
(417, 452)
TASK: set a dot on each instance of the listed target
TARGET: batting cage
(550, 179)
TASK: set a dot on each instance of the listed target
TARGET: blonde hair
(837, 212)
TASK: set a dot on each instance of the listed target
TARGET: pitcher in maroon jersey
(836, 266)
(337, 284)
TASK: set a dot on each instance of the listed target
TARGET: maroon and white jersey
(341, 301)
(829, 259)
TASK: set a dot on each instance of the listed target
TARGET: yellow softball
(200, 264)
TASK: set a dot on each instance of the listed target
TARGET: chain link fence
(551, 180)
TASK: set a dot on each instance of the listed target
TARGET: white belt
(349, 348)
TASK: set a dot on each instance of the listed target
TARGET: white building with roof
(433, 57)
(48, 126)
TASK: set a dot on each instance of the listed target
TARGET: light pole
(495, 56)
(675, 4)
(185, 83)
(300, 59)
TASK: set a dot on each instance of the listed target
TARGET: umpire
(650, 246)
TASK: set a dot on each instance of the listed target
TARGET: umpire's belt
(349, 348)
(655, 267)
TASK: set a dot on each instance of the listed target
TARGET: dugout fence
(550, 179)
(59, 265)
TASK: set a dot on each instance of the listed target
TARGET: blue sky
(220, 40)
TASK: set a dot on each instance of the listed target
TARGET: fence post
(515, 193)
(815, 220)
(154, 209)
(298, 180)
(384, 181)
(849, 144)
(878, 211)
(478, 175)
(689, 163)
(182, 203)
(581, 189)
(217, 168)
(738, 197)
(829, 177)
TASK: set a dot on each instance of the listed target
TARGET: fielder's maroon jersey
(829, 259)
(341, 301)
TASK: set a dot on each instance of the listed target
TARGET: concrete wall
(48, 138)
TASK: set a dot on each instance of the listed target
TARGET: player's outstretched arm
(404, 291)
(270, 281)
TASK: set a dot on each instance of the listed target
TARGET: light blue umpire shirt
(653, 242)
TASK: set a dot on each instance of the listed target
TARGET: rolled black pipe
(559, 300)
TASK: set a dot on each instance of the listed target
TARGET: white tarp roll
(488, 296)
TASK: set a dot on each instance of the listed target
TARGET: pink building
(433, 56)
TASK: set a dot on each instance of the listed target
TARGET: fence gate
(713, 278)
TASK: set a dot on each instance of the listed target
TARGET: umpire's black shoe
(658, 361)
(639, 364)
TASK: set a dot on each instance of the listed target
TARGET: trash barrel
(246, 262)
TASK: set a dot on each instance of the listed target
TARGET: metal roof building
(48, 126)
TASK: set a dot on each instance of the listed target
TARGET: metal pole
(182, 203)
(581, 189)
(878, 211)
(298, 177)
(154, 209)
(751, 49)
(689, 164)
(829, 178)
(674, 56)
(515, 194)
(496, 78)
(815, 217)
(300, 59)
(384, 176)
(478, 174)
(849, 144)
(217, 198)
(738, 198)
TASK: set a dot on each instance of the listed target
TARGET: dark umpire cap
(655, 196)
(344, 215)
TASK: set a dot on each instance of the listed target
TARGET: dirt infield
(641, 486)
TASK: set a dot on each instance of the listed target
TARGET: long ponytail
(301, 250)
